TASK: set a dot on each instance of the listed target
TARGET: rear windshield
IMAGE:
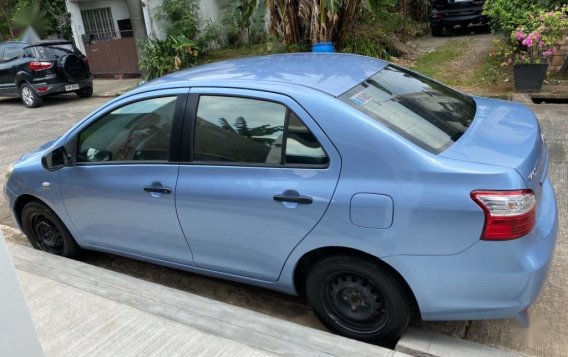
(426, 113)
(52, 51)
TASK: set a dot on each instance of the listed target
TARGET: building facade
(107, 30)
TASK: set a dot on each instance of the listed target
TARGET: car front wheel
(46, 232)
(29, 96)
(359, 299)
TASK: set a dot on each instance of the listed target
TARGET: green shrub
(158, 58)
(369, 41)
(181, 17)
(507, 15)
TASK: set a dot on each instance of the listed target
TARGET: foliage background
(48, 17)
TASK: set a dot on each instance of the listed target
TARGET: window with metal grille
(98, 23)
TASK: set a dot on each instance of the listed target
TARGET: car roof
(333, 74)
(8, 43)
(38, 43)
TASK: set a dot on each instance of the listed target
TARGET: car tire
(46, 232)
(437, 31)
(357, 298)
(29, 96)
(85, 92)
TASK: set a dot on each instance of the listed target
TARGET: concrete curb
(427, 344)
(112, 94)
(217, 318)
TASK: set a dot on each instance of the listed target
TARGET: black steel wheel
(359, 299)
(46, 232)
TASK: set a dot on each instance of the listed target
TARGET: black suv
(33, 71)
(451, 13)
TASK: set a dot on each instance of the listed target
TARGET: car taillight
(39, 65)
(508, 214)
(437, 15)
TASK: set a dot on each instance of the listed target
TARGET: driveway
(22, 129)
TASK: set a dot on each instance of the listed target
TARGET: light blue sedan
(373, 191)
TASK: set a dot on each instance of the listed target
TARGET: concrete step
(216, 318)
(427, 344)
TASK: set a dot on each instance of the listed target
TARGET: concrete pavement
(83, 310)
(108, 88)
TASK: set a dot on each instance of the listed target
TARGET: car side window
(302, 147)
(138, 131)
(11, 53)
(237, 130)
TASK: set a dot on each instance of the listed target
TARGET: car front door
(257, 175)
(120, 192)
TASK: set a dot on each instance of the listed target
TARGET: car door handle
(293, 196)
(158, 189)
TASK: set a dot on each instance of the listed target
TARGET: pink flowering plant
(536, 41)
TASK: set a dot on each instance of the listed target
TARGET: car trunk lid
(504, 134)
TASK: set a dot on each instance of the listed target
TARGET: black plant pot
(529, 77)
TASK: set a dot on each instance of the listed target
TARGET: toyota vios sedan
(371, 190)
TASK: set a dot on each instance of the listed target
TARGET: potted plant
(533, 46)
(324, 23)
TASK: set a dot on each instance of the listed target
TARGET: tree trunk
(346, 20)
(7, 15)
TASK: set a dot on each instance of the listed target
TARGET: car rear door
(10, 57)
(120, 192)
(243, 204)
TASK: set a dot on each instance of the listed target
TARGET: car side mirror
(55, 159)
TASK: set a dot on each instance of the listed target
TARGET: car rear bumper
(45, 88)
(489, 280)
(459, 21)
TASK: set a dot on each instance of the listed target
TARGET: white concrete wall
(17, 332)
(118, 8)
(76, 23)
(155, 28)
(209, 10)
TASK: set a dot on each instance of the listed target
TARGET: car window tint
(47, 51)
(301, 145)
(135, 132)
(239, 130)
(423, 111)
(10, 54)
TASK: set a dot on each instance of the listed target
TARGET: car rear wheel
(29, 96)
(46, 232)
(85, 92)
(357, 298)
(437, 31)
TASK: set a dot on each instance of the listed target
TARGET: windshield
(426, 113)
(50, 51)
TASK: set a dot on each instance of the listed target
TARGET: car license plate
(71, 87)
